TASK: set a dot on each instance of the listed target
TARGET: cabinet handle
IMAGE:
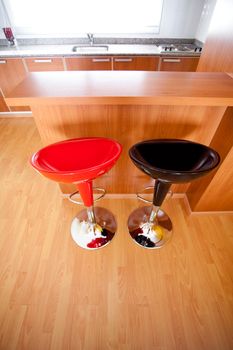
(3, 62)
(171, 60)
(123, 59)
(101, 60)
(43, 61)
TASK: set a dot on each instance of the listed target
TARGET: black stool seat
(168, 161)
(173, 160)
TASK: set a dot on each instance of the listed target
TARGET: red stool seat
(77, 160)
(80, 161)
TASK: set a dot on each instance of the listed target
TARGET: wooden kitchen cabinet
(147, 63)
(3, 106)
(89, 63)
(12, 72)
(179, 64)
(43, 64)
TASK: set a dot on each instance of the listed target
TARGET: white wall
(206, 15)
(180, 18)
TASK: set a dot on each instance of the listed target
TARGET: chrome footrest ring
(152, 193)
(142, 198)
(102, 194)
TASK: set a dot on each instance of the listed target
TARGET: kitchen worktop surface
(66, 50)
(124, 87)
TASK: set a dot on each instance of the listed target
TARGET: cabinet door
(12, 72)
(3, 106)
(180, 64)
(39, 64)
(147, 63)
(89, 63)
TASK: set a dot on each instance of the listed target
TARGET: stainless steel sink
(90, 48)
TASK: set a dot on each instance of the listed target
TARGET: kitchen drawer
(136, 63)
(89, 63)
(180, 64)
(39, 64)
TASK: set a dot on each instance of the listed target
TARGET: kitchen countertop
(66, 51)
(124, 87)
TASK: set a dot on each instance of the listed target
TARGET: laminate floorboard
(55, 295)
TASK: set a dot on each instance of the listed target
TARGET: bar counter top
(123, 88)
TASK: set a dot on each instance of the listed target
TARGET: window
(57, 17)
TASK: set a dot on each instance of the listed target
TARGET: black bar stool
(168, 161)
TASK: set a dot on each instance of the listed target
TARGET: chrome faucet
(91, 38)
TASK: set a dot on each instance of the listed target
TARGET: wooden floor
(54, 295)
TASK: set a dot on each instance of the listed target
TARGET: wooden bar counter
(133, 106)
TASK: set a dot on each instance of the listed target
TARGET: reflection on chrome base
(150, 235)
(91, 235)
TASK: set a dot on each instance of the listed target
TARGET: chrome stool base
(150, 235)
(93, 235)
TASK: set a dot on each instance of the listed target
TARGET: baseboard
(18, 114)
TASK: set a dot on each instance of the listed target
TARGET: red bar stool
(80, 161)
(167, 161)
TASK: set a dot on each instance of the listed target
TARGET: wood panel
(179, 64)
(57, 296)
(42, 64)
(216, 190)
(219, 195)
(3, 106)
(89, 63)
(136, 63)
(217, 55)
(128, 125)
(12, 72)
(124, 87)
(19, 108)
